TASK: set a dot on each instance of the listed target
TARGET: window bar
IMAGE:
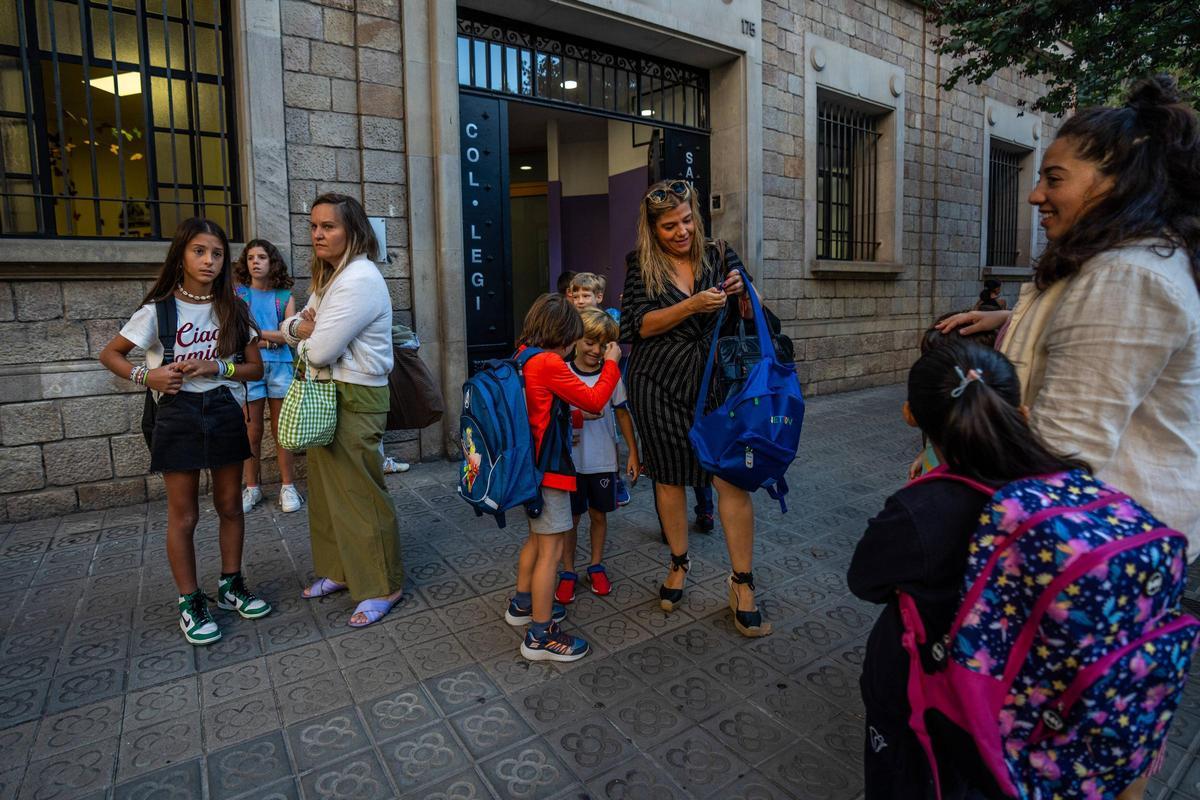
(87, 52)
(170, 111)
(148, 114)
(120, 131)
(64, 155)
(846, 234)
(199, 196)
(223, 130)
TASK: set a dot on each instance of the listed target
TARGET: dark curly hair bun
(1154, 92)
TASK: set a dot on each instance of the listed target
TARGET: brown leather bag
(415, 399)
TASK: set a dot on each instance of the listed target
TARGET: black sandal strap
(745, 578)
(680, 562)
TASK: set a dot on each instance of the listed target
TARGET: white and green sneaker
(195, 620)
(232, 595)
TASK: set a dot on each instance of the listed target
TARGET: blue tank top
(267, 307)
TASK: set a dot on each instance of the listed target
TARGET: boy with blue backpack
(550, 331)
(1032, 644)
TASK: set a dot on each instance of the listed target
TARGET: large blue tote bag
(751, 438)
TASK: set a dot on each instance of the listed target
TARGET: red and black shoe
(565, 593)
(598, 578)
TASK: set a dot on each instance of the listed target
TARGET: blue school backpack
(499, 470)
(751, 438)
(1069, 652)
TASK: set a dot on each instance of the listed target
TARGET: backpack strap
(943, 473)
(281, 300)
(766, 349)
(168, 322)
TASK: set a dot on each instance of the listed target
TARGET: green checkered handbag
(308, 417)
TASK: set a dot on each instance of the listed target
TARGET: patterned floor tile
(378, 676)
(72, 774)
(461, 688)
(488, 728)
(423, 756)
(463, 786)
(159, 745)
(604, 682)
(242, 718)
(696, 694)
(327, 738)
(241, 768)
(549, 705)
(590, 744)
(648, 718)
(222, 685)
(698, 762)
(176, 781)
(750, 733)
(528, 771)
(78, 727)
(398, 712)
(312, 696)
(812, 773)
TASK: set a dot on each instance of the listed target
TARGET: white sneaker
(251, 496)
(290, 499)
(391, 465)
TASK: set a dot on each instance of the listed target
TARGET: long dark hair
(277, 272)
(360, 239)
(982, 433)
(551, 322)
(1150, 147)
(233, 316)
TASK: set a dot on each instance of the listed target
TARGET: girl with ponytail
(966, 399)
(1106, 338)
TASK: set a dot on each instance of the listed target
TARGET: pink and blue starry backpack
(1069, 653)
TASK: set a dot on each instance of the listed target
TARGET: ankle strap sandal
(669, 598)
(748, 623)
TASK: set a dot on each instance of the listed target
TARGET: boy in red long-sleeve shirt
(553, 325)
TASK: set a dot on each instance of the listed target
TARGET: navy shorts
(597, 492)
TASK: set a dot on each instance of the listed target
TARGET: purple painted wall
(585, 233)
(554, 230)
(624, 193)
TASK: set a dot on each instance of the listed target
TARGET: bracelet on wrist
(229, 369)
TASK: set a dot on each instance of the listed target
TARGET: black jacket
(917, 543)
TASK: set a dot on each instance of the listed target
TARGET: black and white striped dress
(663, 375)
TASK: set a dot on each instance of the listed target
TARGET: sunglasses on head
(681, 189)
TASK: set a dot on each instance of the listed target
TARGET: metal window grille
(116, 117)
(847, 182)
(498, 56)
(1004, 207)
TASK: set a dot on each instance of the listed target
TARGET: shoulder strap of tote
(168, 322)
(764, 341)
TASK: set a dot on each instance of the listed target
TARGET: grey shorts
(556, 512)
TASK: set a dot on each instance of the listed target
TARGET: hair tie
(972, 375)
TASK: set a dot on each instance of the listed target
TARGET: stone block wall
(855, 333)
(343, 88)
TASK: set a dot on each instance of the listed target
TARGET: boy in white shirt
(595, 455)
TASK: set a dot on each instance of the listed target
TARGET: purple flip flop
(322, 587)
(374, 609)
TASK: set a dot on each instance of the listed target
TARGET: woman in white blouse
(1107, 337)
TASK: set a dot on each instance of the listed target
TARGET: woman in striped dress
(673, 291)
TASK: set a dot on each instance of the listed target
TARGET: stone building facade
(362, 97)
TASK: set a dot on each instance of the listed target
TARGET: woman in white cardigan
(346, 327)
(1107, 338)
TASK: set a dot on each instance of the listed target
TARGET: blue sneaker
(553, 646)
(622, 492)
(515, 615)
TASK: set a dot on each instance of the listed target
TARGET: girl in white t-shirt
(192, 421)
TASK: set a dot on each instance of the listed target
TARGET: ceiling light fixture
(127, 83)
(525, 167)
(570, 84)
(647, 112)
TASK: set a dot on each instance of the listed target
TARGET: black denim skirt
(198, 430)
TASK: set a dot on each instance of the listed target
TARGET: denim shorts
(277, 377)
(198, 430)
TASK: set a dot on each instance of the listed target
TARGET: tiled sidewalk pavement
(101, 697)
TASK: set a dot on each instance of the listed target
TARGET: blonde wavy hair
(360, 239)
(655, 265)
